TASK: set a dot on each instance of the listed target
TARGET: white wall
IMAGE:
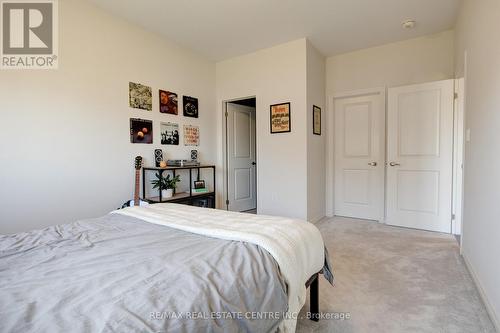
(412, 61)
(273, 75)
(316, 169)
(65, 152)
(477, 33)
(418, 60)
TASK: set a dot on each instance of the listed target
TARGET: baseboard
(315, 220)
(489, 308)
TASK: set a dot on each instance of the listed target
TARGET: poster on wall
(169, 133)
(168, 102)
(190, 106)
(140, 96)
(280, 118)
(316, 120)
(141, 130)
(191, 135)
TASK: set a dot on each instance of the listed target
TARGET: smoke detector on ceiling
(409, 24)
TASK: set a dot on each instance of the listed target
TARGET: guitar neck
(137, 183)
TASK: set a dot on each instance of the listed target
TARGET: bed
(161, 268)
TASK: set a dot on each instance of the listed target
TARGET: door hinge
(226, 114)
(227, 202)
(455, 95)
(453, 217)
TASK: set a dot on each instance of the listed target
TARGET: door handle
(253, 163)
(394, 164)
(373, 164)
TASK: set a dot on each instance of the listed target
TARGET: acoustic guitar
(136, 201)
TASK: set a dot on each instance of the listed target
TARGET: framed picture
(168, 102)
(190, 105)
(316, 120)
(141, 130)
(140, 96)
(169, 133)
(191, 135)
(199, 184)
(280, 118)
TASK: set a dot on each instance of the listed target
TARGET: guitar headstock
(138, 162)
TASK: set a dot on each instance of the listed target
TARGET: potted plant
(165, 184)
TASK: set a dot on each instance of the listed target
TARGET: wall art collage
(141, 130)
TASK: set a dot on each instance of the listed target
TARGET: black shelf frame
(184, 198)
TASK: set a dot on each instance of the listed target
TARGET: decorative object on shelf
(136, 201)
(280, 118)
(194, 155)
(191, 135)
(169, 133)
(316, 120)
(199, 184)
(163, 164)
(182, 163)
(158, 157)
(141, 130)
(168, 102)
(165, 184)
(140, 96)
(200, 190)
(190, 106)
(203, 203)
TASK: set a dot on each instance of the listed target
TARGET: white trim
(359, 92)
(330, 158)
(466, 60)
(330, 141)
(239, 99)
(316, 219)
(458, 157)
(223, 191)
(489, 308)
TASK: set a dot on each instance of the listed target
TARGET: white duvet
(296, 245)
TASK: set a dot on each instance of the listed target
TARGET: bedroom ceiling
(221, 29)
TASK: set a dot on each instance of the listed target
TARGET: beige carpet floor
(395, 280)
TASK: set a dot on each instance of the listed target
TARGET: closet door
(359, 156)
(419, 155)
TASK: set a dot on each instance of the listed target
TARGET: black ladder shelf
(204, 199)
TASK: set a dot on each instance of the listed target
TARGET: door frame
(330, 169)
(225, 173)
(458, 156)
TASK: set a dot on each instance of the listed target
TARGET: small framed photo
(140, 96)
(169, 133)
(141, 130)
(191, 135)
(168, 102)
(190, 106)
(316, 120)
(199, 184)
(280, 118)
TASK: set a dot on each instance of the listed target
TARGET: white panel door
(359, 156)
(242, 192)
(419, 155)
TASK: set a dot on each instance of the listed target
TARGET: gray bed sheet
(121, 274)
